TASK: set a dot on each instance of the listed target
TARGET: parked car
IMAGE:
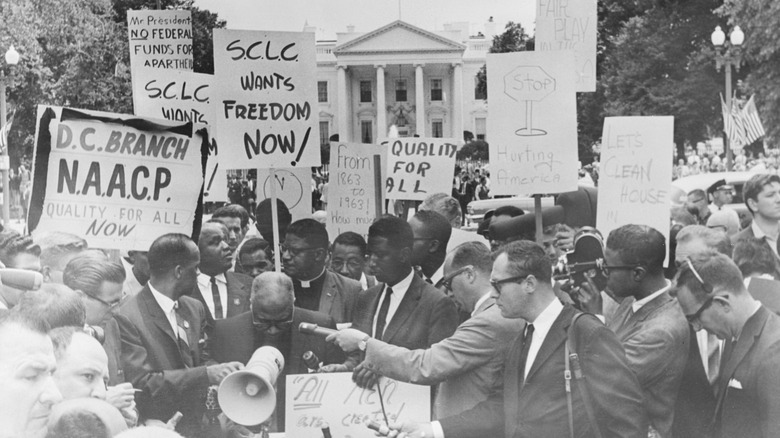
(476, 210)
(681, 187)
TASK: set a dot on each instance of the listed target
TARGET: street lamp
(11, 58)
(728, 59)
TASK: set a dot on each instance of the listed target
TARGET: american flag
(751, 122)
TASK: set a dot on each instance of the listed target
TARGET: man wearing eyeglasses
(648, 321)
(273, 320)
(468, 365)
(534, 402)
(304, 256)
(713, 296)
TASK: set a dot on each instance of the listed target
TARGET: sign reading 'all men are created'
(119, 181)
(266, 99)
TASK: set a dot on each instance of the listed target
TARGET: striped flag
(751, 122)
(4, 133)
(732, 124)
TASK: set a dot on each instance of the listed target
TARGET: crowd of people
(695, 162)
(510, 343)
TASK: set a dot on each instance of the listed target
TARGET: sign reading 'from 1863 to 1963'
(266, 97)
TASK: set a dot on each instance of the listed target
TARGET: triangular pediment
(397, 37)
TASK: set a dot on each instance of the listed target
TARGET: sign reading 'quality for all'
(266, 99)
(418, 167)
(160, 39)
(119, 184)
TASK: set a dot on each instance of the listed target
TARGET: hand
(410, 430)
(130, 415)
(588, 297)
(347, 339)
(564, 240)
(121, 396)
(364, 377)
(333, 368)
(218, 372)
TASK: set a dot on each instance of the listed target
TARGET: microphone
(314, 329)
(21, 278)
(311, 360)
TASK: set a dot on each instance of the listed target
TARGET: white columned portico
(343, 104)
(419, 99)
(381, 114)
(457, 100)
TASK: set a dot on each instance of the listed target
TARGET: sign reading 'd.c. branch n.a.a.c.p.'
(116, 180)
(533, 132)
(418, 167)
(266, 99)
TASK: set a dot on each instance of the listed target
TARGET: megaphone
(21, 279)
(248, 396)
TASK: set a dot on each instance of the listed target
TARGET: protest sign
(182, 96)
(293, 187)
(635, 175)
(266, 98)
(418, 167)
(533, 132)
(160, 39)
(313, 400)
(116, 180)
(570, 25)
(351, 196)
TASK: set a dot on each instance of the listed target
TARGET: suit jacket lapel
(555, 337)
(157, 315)
(747, 338)
(405, 309)
(511, 394)
(327, 294)
(236, 291)
(488, 303)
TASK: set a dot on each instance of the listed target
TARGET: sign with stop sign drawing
(533, 145)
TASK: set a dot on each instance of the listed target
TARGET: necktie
(217, 300)
(381, 318)
(183, 341)
(527, 338)
(428, 280)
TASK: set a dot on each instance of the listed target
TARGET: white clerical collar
(636, 305)
(307, 283)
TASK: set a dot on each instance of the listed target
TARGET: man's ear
(724, 301)
(638, 273)
(434, 246)
(752, 204)
(405, 254)
(46, 272)
(177, 271)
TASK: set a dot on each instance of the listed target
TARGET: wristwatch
(363, 343)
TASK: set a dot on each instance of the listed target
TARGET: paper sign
(293, 187)
(418, 167)
(533, 131)
(313, 400)
(635, 175)
(570, 25)
(351, 191)
(119, 185)
(266, 98)
(160, 39)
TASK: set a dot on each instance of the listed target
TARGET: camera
(584, 261)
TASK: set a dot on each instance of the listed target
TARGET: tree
(513, 39)
(475, 150)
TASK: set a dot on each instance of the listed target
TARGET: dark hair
(263, 212)
(78, 423)
(313, 232)
(527, 257)
(754, 256)
(56, 304)
(639, 245)
(755, 185)
(350, 238)
(12, 244)
(507, 210)
(396, 230)
(715, 269)
(476, 254)
(234, 211)
(252, 245)
(87, 273)
(437, 225)
(168, 251)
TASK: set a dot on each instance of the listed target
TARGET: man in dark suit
(648, 321)
(534, 401)
(222, 292)
(432, 233)
(161, 332)
(713, 296)
(304, 256)
(762, 197)
(274, 321)
(348, 258)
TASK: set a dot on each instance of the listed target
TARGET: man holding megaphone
(272, 322)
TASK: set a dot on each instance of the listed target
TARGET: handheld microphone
(311, 360)
(314, 329)
(21, 279)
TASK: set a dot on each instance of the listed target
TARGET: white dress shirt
(399, 291)
(542, 325)
(479, 302)
(636, 305)
(204, 285)
(168, 307)
(760, 234)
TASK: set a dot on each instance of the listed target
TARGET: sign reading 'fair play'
(316, 400)
(160, 39)
(533, 146)
(351, 190)
(118, 181)
(635, 173)
(266, 99)
(570, 25)
(418, 167)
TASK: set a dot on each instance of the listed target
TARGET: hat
(719, 185)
